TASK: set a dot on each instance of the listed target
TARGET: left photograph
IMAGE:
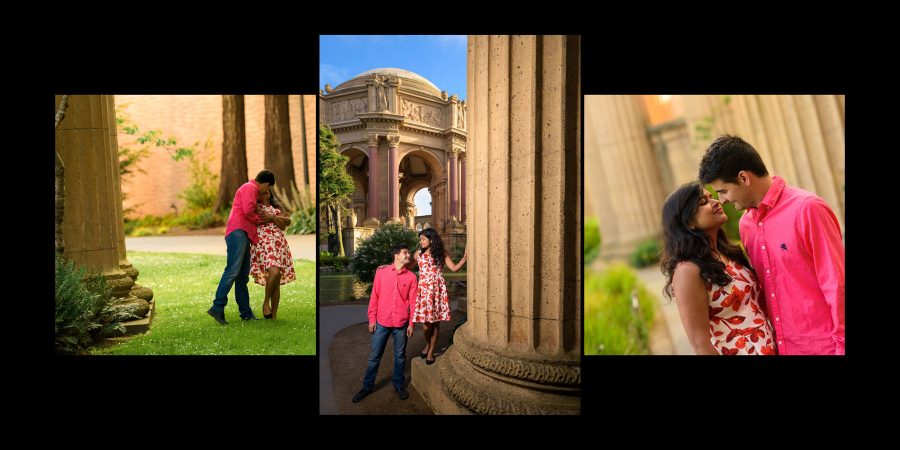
(185, 224)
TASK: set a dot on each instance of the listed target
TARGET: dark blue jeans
(237, 272)
(379, 341)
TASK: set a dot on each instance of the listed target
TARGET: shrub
(303, 221)
(646, 253)
(81, 307)
(612, 325)
(375, 250)
(591, 239)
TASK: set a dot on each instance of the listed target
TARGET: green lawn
(184, 286)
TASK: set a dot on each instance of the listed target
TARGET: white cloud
(332, 74)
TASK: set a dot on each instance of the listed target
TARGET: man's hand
(372, 327)
(409, 330)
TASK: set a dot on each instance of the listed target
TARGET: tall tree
(279, 158)
(303, 179)
(60, 171)
(234, 150)
(335, 184)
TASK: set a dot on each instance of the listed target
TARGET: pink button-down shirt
(794, 243)
(393, 297)
(243, 211)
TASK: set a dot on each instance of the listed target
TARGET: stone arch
(358, 168)
(423, 168)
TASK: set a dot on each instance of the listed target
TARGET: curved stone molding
(460, 381)
(547, 372)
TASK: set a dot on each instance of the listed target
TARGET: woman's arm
(693, 306)
(413, 261)
(282, 222)
(454, 267)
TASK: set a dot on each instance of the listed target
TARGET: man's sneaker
(250, 317)
(361, 395)
(402, 392)
(219, 316)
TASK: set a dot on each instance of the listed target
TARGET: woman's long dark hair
(437, 246)
(681, 243)
(274, 203)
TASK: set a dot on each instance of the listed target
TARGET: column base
(427, 381)
(372, 222)
(486, 382)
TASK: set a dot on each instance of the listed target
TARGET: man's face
(738, 194)
(402, 257)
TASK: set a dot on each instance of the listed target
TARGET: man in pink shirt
(794, 243)
(240, 232)
(393, 300)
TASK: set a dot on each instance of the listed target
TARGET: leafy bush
(375, 250)
(81, 308)
(201, 194)
(591, 239)
(646, 253)
(303, 221)
(612, 326)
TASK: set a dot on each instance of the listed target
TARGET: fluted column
(799, 137)
(372, 209)
(394, 177)
(519, 351)
(462, 185)
(92, 224)
(454, 200)
(622, 171)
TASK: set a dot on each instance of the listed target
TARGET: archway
(421, 169)
(358, 168)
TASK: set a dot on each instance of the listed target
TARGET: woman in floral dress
(271, 264)
(432, 302)
(716, 291)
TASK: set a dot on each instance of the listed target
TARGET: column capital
(393, 141)
(372, 140)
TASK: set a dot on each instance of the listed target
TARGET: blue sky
(422, 199)
(440, 59)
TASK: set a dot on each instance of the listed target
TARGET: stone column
(519, 351)
(394, 178)
(370, 93)
(393, 95)
(462, 185)
(372, 208)
(799, 137)
(622, 172)
(454, 201)
(92, 224)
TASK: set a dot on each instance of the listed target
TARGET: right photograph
(714, 224)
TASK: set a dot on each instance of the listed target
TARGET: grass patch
(612, 326)
(184, 286)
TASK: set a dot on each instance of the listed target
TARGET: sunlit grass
(184, 286)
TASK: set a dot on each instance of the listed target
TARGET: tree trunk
(60, 205)
(60, 180)
(279, 158)
(337, 228)
(303, 180)
(234, 150)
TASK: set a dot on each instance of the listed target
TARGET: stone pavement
(303, 246)
(344, 345)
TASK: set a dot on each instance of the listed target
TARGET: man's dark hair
(265, 176)
(396, 249)
(727, 156)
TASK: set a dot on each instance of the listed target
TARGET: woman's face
(264, 197)
(424, 242)
(709, 215)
